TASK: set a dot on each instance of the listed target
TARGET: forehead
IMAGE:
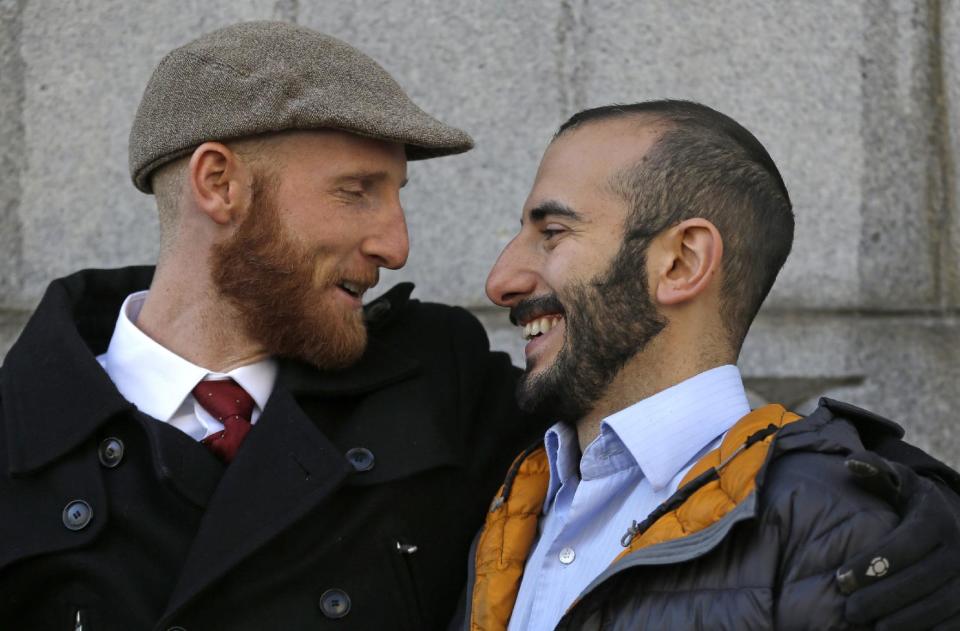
(577, 167)
(334, 150)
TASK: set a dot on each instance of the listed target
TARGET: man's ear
(688, 260)
(220, 182)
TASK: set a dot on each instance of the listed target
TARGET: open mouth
(540, 326)
(354, 289)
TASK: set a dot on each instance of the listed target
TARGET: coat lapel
(286, 468)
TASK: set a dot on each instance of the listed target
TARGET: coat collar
(55, 394)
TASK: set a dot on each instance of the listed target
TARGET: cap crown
(260, 77)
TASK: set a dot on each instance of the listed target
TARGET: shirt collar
(563, 454)
(665, 431)
(158, 380)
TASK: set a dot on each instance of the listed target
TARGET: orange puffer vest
(511, 525)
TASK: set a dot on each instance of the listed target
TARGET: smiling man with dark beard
(593, 351)
(659, 499)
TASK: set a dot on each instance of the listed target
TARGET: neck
(663, 364)
(185, 314)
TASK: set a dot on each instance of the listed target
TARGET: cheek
(323, 238)
(564, 267)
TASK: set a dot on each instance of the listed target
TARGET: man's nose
(513, 276)
(389, 243)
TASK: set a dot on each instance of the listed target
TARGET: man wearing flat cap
(245, 445)
(233, 440)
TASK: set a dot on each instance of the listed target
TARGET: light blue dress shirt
(635, 464)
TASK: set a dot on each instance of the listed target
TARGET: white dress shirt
(635, 464)
(159, 382)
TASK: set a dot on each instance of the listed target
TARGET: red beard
(270, 279)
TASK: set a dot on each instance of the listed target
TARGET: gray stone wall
(858, 103)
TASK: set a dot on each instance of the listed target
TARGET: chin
(326, 339)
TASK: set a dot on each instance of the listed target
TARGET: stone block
(11, 323)
(837, 91)
(84, 67)
(493, 71)
(903, 368)
(11, 148)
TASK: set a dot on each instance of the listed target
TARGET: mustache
(531, 308)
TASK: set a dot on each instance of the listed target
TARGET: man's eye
(550, 232)
(352, 192)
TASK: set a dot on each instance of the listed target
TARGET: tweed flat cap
(258, 77)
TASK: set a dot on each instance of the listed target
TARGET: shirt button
(76, 515)
(361, 458)
(110, 452)
(567, 555)
(334, 603)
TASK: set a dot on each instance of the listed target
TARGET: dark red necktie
(231, 405)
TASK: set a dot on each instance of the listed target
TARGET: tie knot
(224, 399)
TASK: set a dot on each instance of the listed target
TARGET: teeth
(539, 326)
(353, 288)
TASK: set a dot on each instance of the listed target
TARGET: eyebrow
(370, 176)
(553, 209)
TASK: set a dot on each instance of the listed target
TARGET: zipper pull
(78, 622)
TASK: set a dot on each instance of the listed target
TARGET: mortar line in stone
(940, 214)
(564, 28)
(581, 35)
(903, 314)
(779, 312)
(572, 31)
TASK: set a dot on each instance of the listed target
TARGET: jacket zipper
(79, 621)
(471, 581)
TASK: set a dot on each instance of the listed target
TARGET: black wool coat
(351, 504)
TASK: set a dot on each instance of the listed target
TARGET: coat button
(76, 515)
(110, 452)
(334, 603)
(361, 458)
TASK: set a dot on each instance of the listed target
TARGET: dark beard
(608, 320)
(270, 280)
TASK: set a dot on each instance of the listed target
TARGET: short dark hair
(705, 164)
